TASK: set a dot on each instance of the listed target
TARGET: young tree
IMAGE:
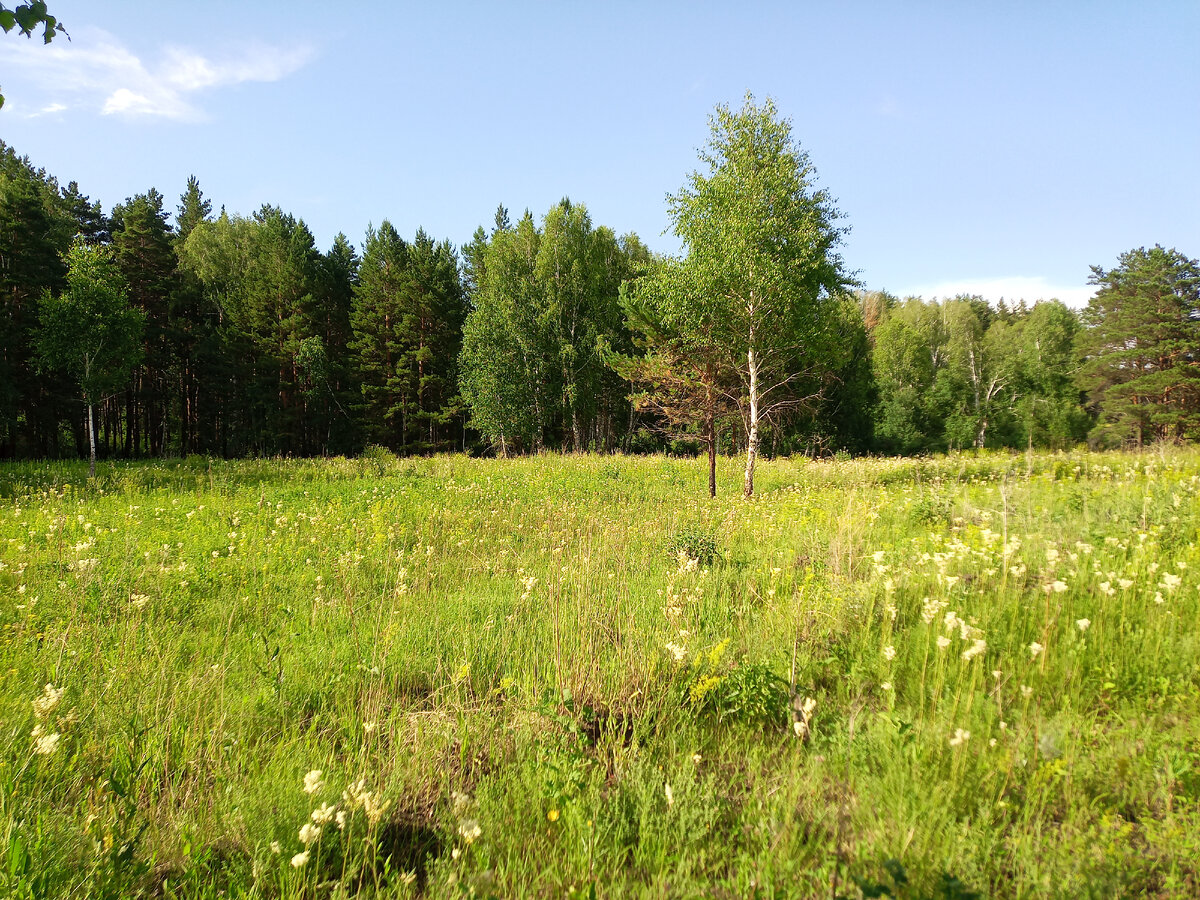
(679, 372)
(768, 283)
(1140, 347)
(90, 329)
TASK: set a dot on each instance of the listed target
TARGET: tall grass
(577, 676)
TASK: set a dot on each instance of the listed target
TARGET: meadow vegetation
(970, 675)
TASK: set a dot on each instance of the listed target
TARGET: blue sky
(999, 149)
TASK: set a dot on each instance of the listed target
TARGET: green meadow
(577, 676)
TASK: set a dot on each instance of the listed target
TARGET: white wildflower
(1034, 649)
(299, 859)
(976, 648)
(323, 815)
(313, 782)
(46, 704)
(1083, 624)
(309, 833)
(470, 831)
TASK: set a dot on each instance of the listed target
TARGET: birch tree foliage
(90, 330)
(761, 242)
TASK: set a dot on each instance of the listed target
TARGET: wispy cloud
(94, 70)
(1029, 289)
(47, 110)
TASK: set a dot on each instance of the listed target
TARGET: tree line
(233, 335)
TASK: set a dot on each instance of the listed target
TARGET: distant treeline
(258, 343)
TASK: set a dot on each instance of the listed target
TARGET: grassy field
(578, 676)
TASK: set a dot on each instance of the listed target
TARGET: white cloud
(1010, 289)
(48, 110)
(99, 72)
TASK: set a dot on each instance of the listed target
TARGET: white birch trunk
(752, 436)
(91, 443)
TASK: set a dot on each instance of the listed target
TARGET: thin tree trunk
(91, 442)
(752, 436)
(710, 429)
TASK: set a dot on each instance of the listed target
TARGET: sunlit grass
(541, 676)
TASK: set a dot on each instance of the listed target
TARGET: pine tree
(1140, 348)
(34, 233)
(145, 253)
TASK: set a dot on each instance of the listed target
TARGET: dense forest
(244, 338)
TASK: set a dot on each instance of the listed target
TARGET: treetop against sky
(998, 152)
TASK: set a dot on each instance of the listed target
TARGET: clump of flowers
(802, 726)
(327, 816)
(312, 782)
(45, 734)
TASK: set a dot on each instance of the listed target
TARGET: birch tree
(90, 330)
(761, 244)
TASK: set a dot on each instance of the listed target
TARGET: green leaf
(7, 20)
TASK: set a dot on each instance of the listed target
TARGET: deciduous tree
(767, 279)
(91, 330)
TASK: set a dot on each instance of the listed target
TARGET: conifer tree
(1141, 348)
